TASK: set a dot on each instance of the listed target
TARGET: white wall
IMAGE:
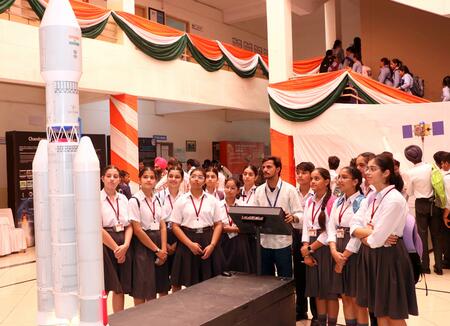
(204, 127)
(210, 19)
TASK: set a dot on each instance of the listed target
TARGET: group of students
(349, 247)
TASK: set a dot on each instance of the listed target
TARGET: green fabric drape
(363, 94)
(90, 32)
(311, 112)
(240, 73)
(156, 51)
(5, 4)
(37, 8)
(207, 64)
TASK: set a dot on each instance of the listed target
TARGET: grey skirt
(319, 277)
(385, 282)
(189, 269)
(118, 277)
(149, 279)
(345, 282)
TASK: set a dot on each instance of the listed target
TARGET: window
(176, 23)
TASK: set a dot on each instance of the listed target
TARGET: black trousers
(428, 216)
(300, 278)
(446, 245)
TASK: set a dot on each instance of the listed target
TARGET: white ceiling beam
(165, 108)
(438, 7)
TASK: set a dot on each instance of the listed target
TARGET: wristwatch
(310, 249)
(157, 250)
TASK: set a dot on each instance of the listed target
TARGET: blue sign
(160, 137)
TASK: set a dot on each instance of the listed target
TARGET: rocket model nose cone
(86, 158)
(40, 161)
(59, 12)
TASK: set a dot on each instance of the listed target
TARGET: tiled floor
(18, 303)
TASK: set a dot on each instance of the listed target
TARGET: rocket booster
(70, 270)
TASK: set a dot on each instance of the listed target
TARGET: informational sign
(235, 155)
(21, 147)
(160, 137)
(147, 150)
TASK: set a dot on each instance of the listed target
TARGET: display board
(20, 149)
(235, 155)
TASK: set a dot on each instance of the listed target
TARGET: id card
(154, 226)
(340, 233)
(119, 227)
(312, 233)
(232, 235)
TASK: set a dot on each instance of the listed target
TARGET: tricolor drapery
(5, 4)
(92, 19)
(306, 97)
(165, 43)
(123, 111)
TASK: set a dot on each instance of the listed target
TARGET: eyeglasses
(372, 169)
(199, 177)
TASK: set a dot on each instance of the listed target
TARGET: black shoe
(301, 317)
(438, 271)
(426, 271)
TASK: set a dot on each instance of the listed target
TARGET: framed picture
(191, 146)
(156, 16)
(236, 42)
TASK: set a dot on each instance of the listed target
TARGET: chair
(12, 239)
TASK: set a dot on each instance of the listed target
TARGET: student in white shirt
(407, 80)
(385, 276)
(168, 197)
(276, 249)
(361, 164)
(249, 175)
(197, 224)
(446, 89)
(344, 248)
(117, 233)
(303, 172)
(212, 182)
(235, 245)
(315, 251)
(428, 216)
(150, 268)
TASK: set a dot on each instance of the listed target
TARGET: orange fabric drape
(283, 146)
(208, 48)
(238, 52)
(387, 90)
(305, 66)
(148, 25)
(87, 11)
(307, 82)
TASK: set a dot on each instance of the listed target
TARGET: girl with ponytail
(315, 250)
(385, 283)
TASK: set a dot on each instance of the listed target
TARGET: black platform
(241, 299)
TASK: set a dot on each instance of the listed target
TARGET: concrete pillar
(330, 23)
(279, 39)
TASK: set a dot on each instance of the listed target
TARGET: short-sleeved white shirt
(184, 211)
(149, 212)
(109, 210)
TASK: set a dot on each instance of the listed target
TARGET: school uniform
(148, 278)
(318, 278)
(338, 231)
(236, 246)
(385, 282)
(167, 201)
(299, 267)
(196, 217)
(276, 249)
(118, 277)
(248, 197)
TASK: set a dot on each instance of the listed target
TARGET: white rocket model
(75, 284)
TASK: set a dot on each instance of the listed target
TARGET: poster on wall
(20, 149)
(235, 155)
